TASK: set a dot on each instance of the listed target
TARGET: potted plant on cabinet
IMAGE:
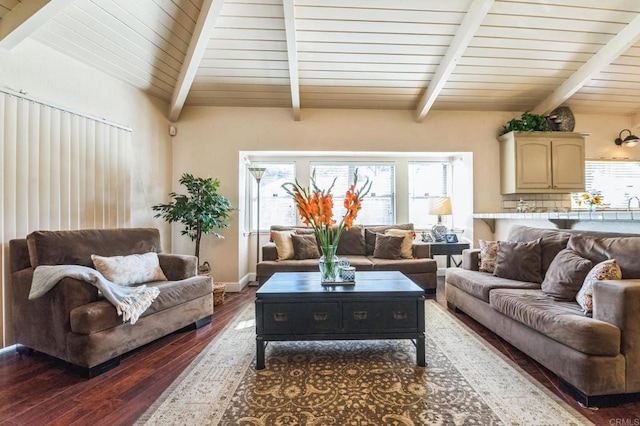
(202, 210)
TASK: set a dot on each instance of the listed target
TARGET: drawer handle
(320, 316)
(399, 315)
(360, 315)
(280, 316)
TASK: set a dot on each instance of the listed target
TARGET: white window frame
(251, 196)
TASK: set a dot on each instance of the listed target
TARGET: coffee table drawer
(287, 318)
(391, 315)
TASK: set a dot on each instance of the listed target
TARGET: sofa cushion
(284, 244)
(560, 321)
(480, 284)
(370, 233)
(566, 275)
(597, 249)
(351, 242)
(388, 247)
(131, 269)
(551, 240)
(606, 270)
(488, 255)
(76, 247)
(407, 244)
(305, 247)
(102, 315)
(406, 266)
(519, 261)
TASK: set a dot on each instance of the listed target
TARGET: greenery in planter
(202, 210)
(527, 123)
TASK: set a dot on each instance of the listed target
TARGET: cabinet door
(568, 164)
(533, 164)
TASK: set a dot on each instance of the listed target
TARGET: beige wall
(209, 139)
(51, 76)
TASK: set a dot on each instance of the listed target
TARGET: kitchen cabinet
(542, 162)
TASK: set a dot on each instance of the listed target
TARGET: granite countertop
(614, 215)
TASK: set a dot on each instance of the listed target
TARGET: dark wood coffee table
(293, 306)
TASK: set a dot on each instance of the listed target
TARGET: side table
(449, 250)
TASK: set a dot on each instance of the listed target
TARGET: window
(276, 206)
(426, 180)
(617, 181)
(378, 207)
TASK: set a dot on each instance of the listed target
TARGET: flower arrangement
(591, 199)
(315, 207)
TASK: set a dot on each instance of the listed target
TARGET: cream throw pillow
(406, 249)
(606, 270)
(284, 244)
(129, 270)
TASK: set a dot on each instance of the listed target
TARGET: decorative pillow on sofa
(388, 247)
(352, 241)
(488, 255)
(129, 270)
(284, 245)
(519, 261)
(606, 270)
(370, 233)
(598, 249)
(305, 247)
(566, 275)
(407, 244)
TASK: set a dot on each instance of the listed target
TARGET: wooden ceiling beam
(468, 28)
(619, 44)
(292, 54)
(209, 13)
(26, 18)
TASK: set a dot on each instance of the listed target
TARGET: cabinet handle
(280, 316)
(360, 315)
(320, 316)
(399, 315)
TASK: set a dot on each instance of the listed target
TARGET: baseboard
(236, 287)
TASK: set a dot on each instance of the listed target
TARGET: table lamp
(439, 206)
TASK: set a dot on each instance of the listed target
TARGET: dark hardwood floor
(36, 390)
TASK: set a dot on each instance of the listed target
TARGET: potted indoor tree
(202, 210)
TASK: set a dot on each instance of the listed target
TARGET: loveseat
(596, 357)
(358, 245)
(74, 323)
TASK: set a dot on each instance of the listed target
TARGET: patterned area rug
(376, 382)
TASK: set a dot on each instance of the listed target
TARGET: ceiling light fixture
(630, 141)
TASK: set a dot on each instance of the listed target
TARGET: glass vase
(328, 264)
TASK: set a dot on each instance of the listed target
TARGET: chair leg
(24, 350)
(94, 371)
(202, 322)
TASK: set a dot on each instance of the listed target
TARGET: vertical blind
(60, 171)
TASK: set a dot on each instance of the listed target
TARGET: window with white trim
(617, 181)
(276, 206)
(378, 207)
(427, 179)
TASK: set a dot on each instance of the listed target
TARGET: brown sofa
(74, 323)
(597, 359)
(357, 245)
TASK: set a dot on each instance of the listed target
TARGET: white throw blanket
(130, 302)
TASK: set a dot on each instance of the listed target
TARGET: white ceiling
(421, 55)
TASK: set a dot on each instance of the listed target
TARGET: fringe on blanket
(135, 304)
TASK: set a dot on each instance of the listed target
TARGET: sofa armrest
(618, 302)
(421, 251)
(178, 267)
(471, 259)
(43, 323)
(269, 252)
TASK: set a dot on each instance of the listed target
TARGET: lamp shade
(440, 206)
(257, 172)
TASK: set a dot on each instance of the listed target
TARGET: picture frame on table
(426, 237)
(451, 238)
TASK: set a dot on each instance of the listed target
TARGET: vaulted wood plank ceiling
(419, 55)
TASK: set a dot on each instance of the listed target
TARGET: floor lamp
(257, 173)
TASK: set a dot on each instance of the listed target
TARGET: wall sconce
(630, 141)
